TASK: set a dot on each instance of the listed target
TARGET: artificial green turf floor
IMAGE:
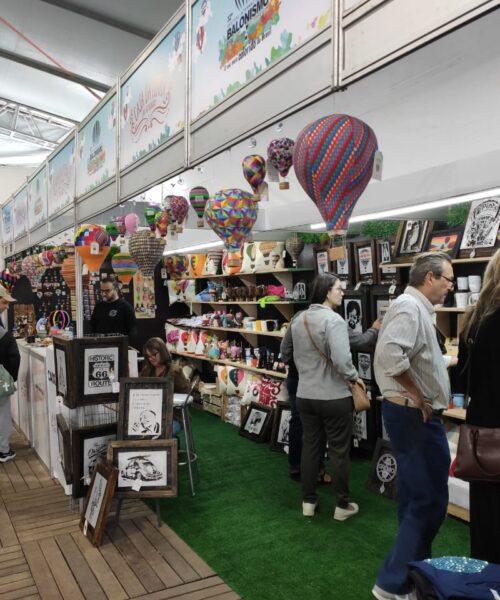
(246, 522)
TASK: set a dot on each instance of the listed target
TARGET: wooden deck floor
(43, 554)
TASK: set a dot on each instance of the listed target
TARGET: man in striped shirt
(412, 376)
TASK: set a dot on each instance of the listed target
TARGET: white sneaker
(309, 508)
(381, 594)
(341, 514)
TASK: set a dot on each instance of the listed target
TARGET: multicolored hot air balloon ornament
(161, 221)
(112, 231)
(333, 161)
(172, 227)
(179, 207)
(198, 198)
(231, 214)
(92, 244)
(280, 155)
(150, 214)
(146, 250)
(125, 268)
(254, 171)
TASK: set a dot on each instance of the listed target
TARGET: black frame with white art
(257, 429)
(281, 421)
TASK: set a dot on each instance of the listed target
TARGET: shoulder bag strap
(322, 354)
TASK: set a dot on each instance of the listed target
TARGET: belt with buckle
(403, 401)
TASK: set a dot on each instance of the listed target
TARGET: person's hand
(361, 383)
(454, 361)
(420, 402)
(377, 324)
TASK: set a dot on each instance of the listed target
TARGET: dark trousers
(423, 461)
(485, 521)
(333, 419)
(295, 431)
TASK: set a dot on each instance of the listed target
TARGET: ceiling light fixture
(193, 248)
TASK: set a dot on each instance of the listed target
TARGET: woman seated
(158, 363)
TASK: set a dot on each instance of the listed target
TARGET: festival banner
(62, 179)
(21, 213)
(7, 224)
(96, 156)
(37, 199)
(153, 98)
(235, 40)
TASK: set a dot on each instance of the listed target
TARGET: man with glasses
(412, 376)
(113, 314)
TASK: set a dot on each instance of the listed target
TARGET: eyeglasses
(152, 355)
(450, 281)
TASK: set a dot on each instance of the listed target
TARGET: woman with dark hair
(323, 359)
(158, 363)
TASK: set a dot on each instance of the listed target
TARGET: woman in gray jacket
(323, 358)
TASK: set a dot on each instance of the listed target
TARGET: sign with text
(153, 98)
(99, 365)
(62, 179)
(37, 199)
(235, 40)
(7, 224)
(21, 213)
(96, 156)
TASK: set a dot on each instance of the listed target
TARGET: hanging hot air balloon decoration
(30, 268)
(8, 280)
(231, 214)
(131, 223)
(146, 250)
(119, 221)
(92, 244)
(161, 221)
(280, 155)
(179, 207)
(150, 215)
(294, 246)
(167, 205)
(112, 231)
(198, 198)
(333, 160)
(125, 268)
(254, 171)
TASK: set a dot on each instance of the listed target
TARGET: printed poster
(153, 99)
(144, 297)
(235, 40)
(37, 199)
(145, 412)
(62, 179)
(21, 213)
(99, 364)
(7, 224)
(96, 156)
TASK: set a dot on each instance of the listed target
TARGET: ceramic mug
(473, 298)
(474, 283)
(461, 299)
(462, 283)
(458, 400)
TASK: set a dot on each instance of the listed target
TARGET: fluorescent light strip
(193, 248)
(405, 210)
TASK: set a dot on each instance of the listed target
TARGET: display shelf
(455, 413)
(455, 261)
(458, 511)
(233, 329)
(246, 274)
(230, 363)
(226, 302)
(450, 309)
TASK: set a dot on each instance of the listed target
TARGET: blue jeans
(423, 460)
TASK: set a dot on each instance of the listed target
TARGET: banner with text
(153, 98)
(96, 156)
(37, 199)
(235, 40)
(62, 179)
(21, 213)
(7, 224)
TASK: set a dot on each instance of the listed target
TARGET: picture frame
(364, 426)
(322, 262)
(365, 260)
(480, 237)
(383, 471)
(344, 268)
(146, 468)
(384, 250)
(380, 299)
(89, 444)
(257, 422)
(364, 364)
(412, 239)
(354, 310)
(445, 240)
(281, 427)
(98, 501)
(86, 369)
(64, 444)
(146, 408)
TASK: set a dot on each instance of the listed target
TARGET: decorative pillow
(181, 290)
(236, 381)
(227, 270)
(192, 341)
(222, 378)
(201, 346)
(269, 256)
(172, 335)
(272, 391)
(249, 257)
(212, 263)
(252, 391)
(196, 264)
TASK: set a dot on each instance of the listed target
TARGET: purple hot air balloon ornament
(198, 198)
(280, 155)
(254, 171)
(179, 207)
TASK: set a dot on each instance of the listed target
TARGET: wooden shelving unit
(450, 309)
(250, 273)
(455, 261)
(234, 330)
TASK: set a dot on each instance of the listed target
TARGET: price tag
(163, 273)
(94, 248)
(115, 387)
(85, 526)
(392, 289)
(355, 442)
(378, 163)
(137, 485)
(358, 285)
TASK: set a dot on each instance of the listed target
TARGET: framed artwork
(98, 501)
(445, 241)
(365, 366)
(146, 408)
(89, 445)
(86, 368)
(257, 422)
(384, 251)
(321, 261)
(354, 310)
(381, 300)
(281, 427)
(383, 471)
(411, 239)
(344, 268)
(146, 468)
(364, 424)
(365, 261)
(481, 228)
(64, 444)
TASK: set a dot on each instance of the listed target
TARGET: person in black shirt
(113, 314)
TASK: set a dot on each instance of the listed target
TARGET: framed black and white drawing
(98, 501)
(257, 422)
(146, 408)
(281, 427)
(411, 239)
(365, 366)
(354, 310)
(321, 261)
(480, 235)
(89, 444)
(386, 275)
(343, 268)
(64, 445)
(381, 300)
(365, 261)
(146, 468)
(384, 470)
